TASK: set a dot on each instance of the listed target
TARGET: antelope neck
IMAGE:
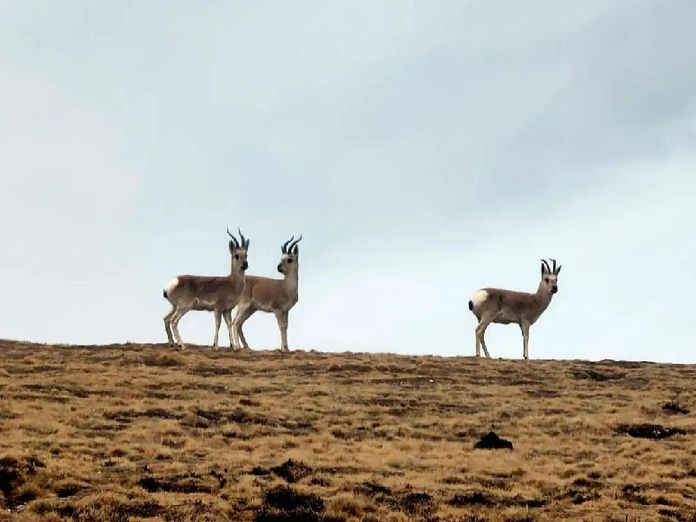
(290, 283)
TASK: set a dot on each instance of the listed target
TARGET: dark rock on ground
(492, 441)
(649, 431)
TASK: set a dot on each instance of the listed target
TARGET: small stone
(492, 441)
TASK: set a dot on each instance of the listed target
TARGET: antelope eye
(289, 261)
(547, 279)
(236, 256)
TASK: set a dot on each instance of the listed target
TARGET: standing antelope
(277, 296)
(493, 305)
(214, 294)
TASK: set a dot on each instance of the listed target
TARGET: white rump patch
(171, 285)
(479, 297)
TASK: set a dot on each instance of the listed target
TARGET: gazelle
(493, 305)
(276, 296)
(214, 294)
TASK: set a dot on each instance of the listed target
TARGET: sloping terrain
(142, 432)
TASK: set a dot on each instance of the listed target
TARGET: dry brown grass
(140, 432)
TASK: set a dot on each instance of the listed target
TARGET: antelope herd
(249, 294)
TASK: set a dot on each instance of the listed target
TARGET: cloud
(64, 179)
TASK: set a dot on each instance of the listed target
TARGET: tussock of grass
(140, 432)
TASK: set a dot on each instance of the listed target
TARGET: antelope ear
(558, 270)
(543, 267)
(246, 244)
(231, 247)
(296, 250)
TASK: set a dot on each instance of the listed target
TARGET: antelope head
(291, 254)
(549, 276)
(238, 250)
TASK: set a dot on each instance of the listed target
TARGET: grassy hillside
(144, 432)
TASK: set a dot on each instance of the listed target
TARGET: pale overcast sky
(424, 149)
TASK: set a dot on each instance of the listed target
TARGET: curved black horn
(244, 240)
(554, 266)
(236, 243)
(294, 243)
(546, 264)
(284, 248)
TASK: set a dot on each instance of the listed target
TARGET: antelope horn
(244, 240)
(294, 243)
(554, 266)
(236, 243)
(546, 264)
(284, 248)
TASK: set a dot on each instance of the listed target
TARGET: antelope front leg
(218, 314)
(525, 339)
(175, 327)
(282, 318)
(228, 321)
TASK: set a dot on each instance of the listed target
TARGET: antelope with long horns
(493, 305)
(214, 294)
(276, 296)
